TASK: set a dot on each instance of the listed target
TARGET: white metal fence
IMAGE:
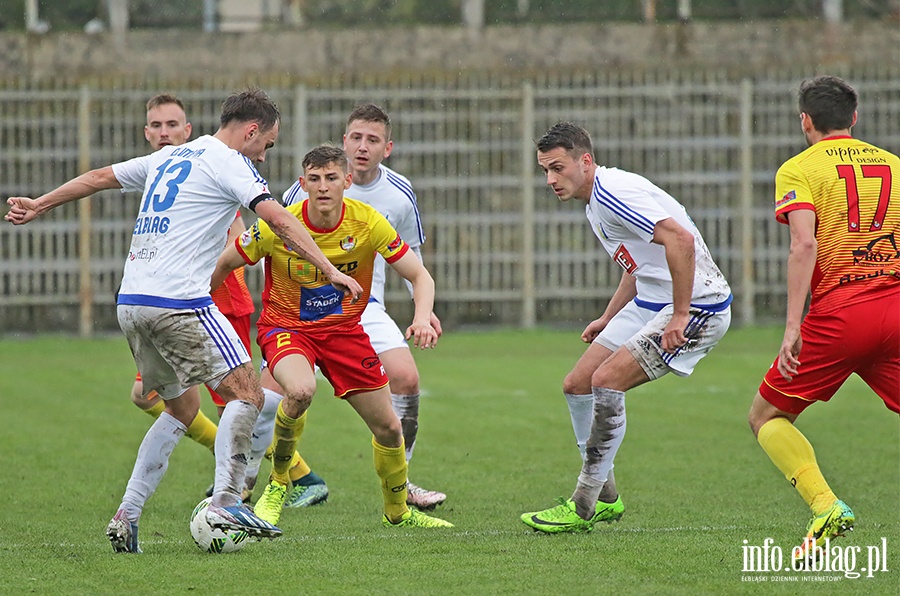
(501, 249)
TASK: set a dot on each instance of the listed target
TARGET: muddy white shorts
(176, 349)
(639, 329)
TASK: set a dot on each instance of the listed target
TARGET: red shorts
(241, 324)
(345, 356)
(863, 338)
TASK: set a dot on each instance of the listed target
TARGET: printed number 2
(848, 174)
(183, 168)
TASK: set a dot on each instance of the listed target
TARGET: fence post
(748, 292)
(301, 120)
(85, 283)
(529, 296)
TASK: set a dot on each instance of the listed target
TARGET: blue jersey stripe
(407, 190)
(290, 197)
(160, 302)
(658, 306)
(259, 178)
(608, 200)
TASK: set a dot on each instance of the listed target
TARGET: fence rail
(501, 248)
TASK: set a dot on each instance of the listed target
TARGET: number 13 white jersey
(191, 193)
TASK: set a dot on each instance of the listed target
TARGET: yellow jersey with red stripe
(854, 189)
(297, 295)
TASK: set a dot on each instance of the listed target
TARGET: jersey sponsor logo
(145, 254)
(305, 273)
(151, 224)
(318, 303)
(787, 198)
(624, 259)
(879, 251)
(348, 243)
(302, 272)
(853, 154)
(395, 243)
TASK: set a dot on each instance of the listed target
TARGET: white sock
(607, 433)
(261, 437)
(581, 411)
(407, 409)
(151, 463)
(232, 448)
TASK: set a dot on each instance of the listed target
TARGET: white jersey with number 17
(191, 192)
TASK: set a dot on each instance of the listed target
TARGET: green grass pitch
(494, 435)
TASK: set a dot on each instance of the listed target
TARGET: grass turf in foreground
(494, 435)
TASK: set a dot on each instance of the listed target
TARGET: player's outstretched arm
(411, 269)
(288, 228)
(23, 209)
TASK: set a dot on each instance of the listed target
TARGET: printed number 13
(848, 174)
(183, 168)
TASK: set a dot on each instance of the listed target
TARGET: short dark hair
(163, 99)
(369, 112)
(571, 137)
(251, 105)
(829, 101)
(323, 155)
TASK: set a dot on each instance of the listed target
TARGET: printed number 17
(848, 174)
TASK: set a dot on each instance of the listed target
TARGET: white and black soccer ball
(214, 541)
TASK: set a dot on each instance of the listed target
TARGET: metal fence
(501, 248)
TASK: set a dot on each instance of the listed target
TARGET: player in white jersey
(367, 142)
(671, 308)
(178, 337)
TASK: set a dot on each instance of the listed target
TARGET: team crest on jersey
(787, 198)
(395, 244)
(348, 243)
(624, 259)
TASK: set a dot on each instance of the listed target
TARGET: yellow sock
(299, 467)
(390, 465)
(284, 444)
(794, 456)
(157, 409)
(203, 430)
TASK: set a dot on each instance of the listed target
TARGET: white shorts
(176, 349)
(383, 332)
(639, 330)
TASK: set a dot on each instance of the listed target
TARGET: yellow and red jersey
(233, 297)
(854, 189)
(297, 295)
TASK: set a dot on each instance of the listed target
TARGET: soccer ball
(214, 541)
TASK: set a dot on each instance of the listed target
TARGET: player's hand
(22, 210)
(423, 334)
(673, 335)
(347, 285)
(436, 324)
(787, 355)
(593, 329)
